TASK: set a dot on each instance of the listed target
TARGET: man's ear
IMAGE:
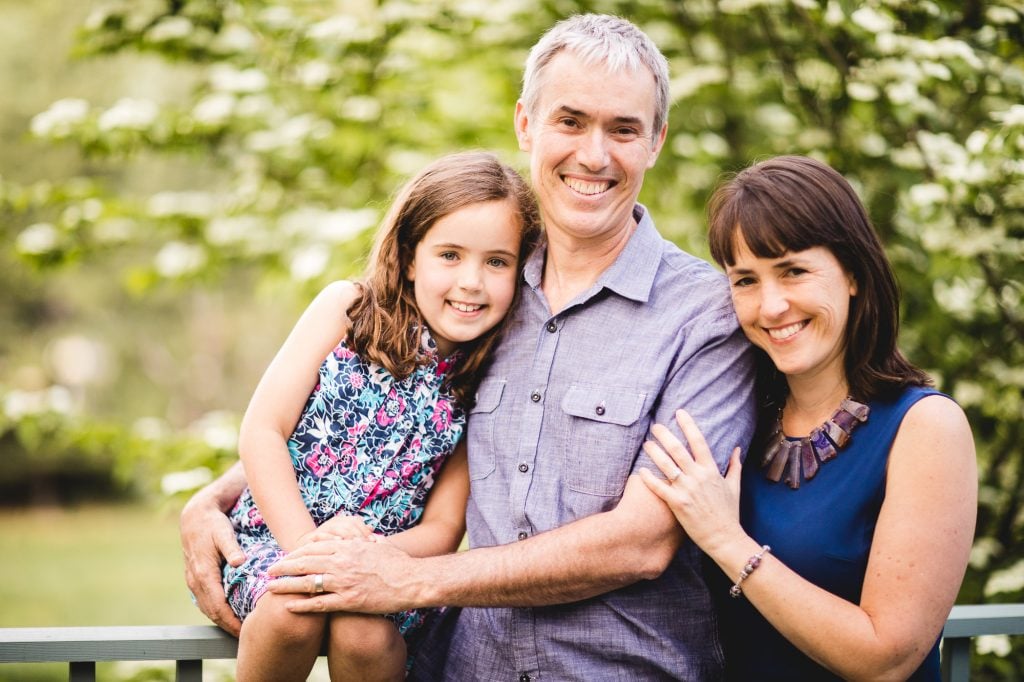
(659, 142)
(522, 125)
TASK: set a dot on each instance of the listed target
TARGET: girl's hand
(341, 527)
(706, 505)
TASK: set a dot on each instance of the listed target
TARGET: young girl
(352, 444)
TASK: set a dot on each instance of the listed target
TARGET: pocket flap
(602, 404)
(488, 395)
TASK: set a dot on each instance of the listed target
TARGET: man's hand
(207, 538)
(358, 577)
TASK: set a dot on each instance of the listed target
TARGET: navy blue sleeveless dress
(823, 531)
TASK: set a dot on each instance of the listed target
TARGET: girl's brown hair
(386, 323)
(793, 203)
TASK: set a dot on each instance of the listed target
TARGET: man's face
(590, 142)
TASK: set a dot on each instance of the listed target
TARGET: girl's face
(464, 271)
(795, 308)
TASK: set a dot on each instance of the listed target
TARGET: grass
(90, 566)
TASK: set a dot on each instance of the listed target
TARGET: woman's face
(795, 308)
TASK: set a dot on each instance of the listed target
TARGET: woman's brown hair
(386, 323)
(793, 203)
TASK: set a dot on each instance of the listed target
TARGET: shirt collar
(633, 272)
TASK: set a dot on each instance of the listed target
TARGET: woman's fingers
(694, 437)
(667, 464)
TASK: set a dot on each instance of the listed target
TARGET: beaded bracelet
(752, 563)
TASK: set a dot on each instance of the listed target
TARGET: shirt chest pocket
(481, 428)
(604, 435)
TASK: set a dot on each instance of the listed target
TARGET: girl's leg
(276, 644)
(364, 647)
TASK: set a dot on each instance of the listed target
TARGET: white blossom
(184, 481)
(189, 204)
(870, 19)
(1014, 116)
(218, 429)
(226, 78)
(902, 92)
(214, 109)
(170, 28)
(37, 239)
(993, 644)
(834, 15)
(226, 230)
(330, 226)
(129, 113)
(959, 297)
(60, 119)
(151, 428)
(861, 91)
(928, 194)
(1002, 15)
(78, 360)
(178, 258)
(234, 38)
(314, 74)
(692, 78)
(361, 108)
(1010, 579)
(308, 262)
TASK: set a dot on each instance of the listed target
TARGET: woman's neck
(810, 403)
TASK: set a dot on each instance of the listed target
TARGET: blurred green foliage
(201, 167)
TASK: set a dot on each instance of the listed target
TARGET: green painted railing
(190, 645)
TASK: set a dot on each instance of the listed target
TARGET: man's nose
(593, 150)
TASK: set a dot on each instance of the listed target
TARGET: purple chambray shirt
(557, 429)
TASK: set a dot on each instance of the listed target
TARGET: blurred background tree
(181, 178)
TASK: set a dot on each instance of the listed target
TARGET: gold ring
(318, 583)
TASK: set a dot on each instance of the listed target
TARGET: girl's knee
(364, 638)
(271, 615)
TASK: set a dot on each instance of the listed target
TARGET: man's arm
(207, 538)
(591, 556)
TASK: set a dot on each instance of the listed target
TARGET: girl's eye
(449, 255)
(498, 263)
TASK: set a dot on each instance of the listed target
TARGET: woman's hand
(706, 505)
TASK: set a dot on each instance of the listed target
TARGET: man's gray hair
(599, 39)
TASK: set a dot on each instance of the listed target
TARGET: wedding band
(318, 583)
(677, 474)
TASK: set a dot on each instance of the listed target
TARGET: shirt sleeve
(712, 378)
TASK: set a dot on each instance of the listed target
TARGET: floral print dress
(365, 445)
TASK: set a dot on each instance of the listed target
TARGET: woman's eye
(743, 282)
(796, 272)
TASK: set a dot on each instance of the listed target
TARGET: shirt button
(552, 327)
(524, 467)
(600, 410)
(535, 396)
(524, 678)
(523, 535)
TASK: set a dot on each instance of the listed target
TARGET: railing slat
(82, 671)
(188, 671)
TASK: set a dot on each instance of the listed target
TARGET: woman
(848, 538)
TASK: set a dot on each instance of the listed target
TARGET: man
(576, 570)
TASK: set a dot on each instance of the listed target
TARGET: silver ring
(318, 583)
(677, 474)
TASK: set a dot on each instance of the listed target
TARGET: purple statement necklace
(784, 455)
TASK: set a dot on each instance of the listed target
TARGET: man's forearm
(225, 489)
(591, 556)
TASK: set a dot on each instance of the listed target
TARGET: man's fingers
(227, 544)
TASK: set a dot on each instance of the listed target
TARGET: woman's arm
(276, 406)
(918, 555)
